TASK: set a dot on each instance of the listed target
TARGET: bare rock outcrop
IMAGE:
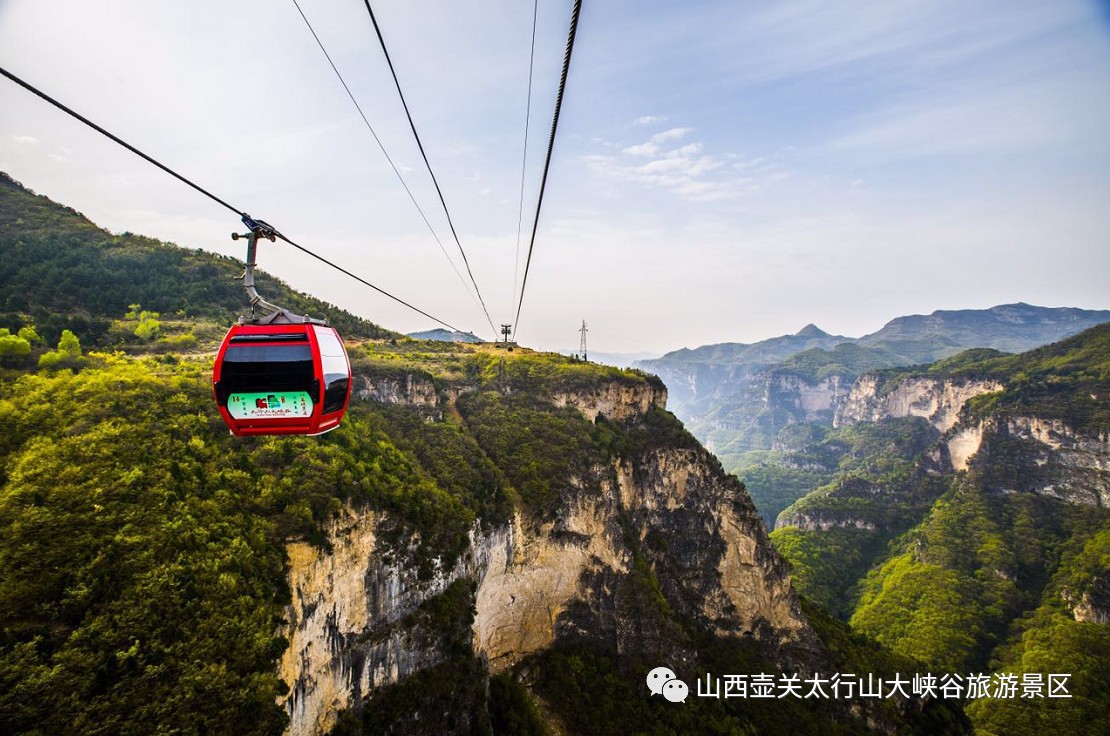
(937, 399)
(669, 507)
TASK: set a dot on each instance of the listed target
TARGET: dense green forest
(847, 359)
(143, 549)
(142, 561)
(974, 571)
(143, 556)
(810, 456)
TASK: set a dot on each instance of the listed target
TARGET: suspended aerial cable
(420, 145)
(243, 215)
(364, 281)
(524, 161)
(550, 147)
(384, 152)
(120, 141)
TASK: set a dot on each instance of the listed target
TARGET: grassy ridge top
(520, 369)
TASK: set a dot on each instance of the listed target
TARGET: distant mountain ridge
(736, 397)
(1012, 328)
(441, 335)
(772, 349)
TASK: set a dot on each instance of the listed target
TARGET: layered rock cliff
(1036, 455)
(727, 393)
(937, 399)
(811, 400)
(1019, 440)
(1062, 462)
(406, 389)
(614, 400)
(660, 507)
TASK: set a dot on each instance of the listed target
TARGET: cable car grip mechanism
(271, 313)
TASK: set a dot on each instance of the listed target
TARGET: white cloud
(651, 147)
(684, 169)
(643, 149)
(28, 139)
(671, 135)
(648, 119)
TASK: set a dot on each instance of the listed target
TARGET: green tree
(69, 345)
(149, 326)
(68, 354)
(13, 348)
(28, 333)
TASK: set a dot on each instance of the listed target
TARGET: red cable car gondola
(281, 379)
(279, 373)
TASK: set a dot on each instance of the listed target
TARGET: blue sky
(725, 171)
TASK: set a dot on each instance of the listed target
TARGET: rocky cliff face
(341, 623)
(807, 400)
(711, 554)
(1090, 607)
(1043, 456)
(936, 399)
(1061, 462)
(354, 623)
(614, 400)
(407, 390)
(736, 409)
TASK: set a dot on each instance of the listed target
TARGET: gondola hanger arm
(272, 313)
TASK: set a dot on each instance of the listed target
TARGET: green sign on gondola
(270, 405)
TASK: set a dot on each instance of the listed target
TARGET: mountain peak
(811, 330)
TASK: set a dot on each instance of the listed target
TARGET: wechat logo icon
(663, 681)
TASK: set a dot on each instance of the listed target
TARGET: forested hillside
(63, 272)
(984, 558)
(156, 573)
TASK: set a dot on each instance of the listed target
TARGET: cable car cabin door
(281, 379)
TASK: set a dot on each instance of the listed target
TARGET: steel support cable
(384, 152)
(72, 113)
(420, 145)
(550, 147)
(524, 159)
(243, 215)
(364, 282)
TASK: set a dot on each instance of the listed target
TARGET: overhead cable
(365, 282)
(550, 147)
(420, 145)
(384, 152)
(118, 140)
(34, 90)
(524, 158)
